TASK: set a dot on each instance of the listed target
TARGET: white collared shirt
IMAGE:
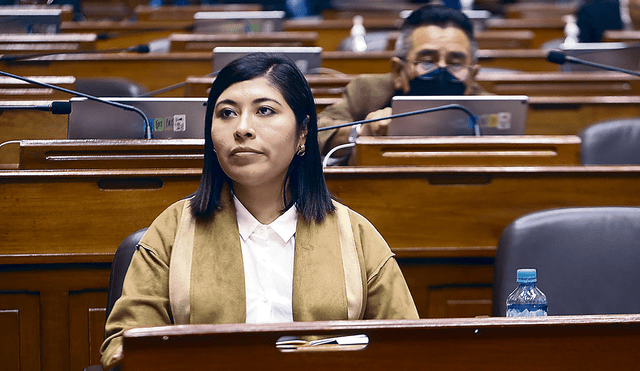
(267, 253)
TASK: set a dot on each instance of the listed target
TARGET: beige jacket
(217, 289)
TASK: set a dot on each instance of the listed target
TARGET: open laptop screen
(170, 118)
(496, 115)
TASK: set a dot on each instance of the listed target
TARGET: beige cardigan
(217, 289)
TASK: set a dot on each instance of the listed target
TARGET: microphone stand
(602, 66)
(147, 127)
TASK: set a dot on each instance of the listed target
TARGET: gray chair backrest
(588, 259)
(614, 142)
(119, 266)
(109, 87)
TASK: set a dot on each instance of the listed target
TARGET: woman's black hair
(305, 185)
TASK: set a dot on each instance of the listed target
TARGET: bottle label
(526, 310)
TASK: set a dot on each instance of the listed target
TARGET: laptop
(307, 58)
(38, 21)
(616, 54)
(170, 118)
(238, 22)
(496, 115)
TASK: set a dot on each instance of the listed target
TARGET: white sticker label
(179, 122)
(504, 120)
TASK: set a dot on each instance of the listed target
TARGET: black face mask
(436, 82)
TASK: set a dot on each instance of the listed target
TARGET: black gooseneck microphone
(559, 57)
(473, 120)
(65, 107)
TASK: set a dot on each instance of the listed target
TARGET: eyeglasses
(458, 70)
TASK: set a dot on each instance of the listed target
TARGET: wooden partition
(559, 83)
(124, 34)
(11, 89)
(545, 29)
(549, 343)
(332, 31)
(46, 43)
(185, 13)
(505, 150)
(206, 42)
(61, 227)
(530, 60)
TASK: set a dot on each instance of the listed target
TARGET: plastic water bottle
(358, 33)
(527, 300)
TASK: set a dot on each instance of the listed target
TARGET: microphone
(61, 108)
(56, 107)
(473, 120)
(559, 57)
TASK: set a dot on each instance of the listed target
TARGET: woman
(261, 240)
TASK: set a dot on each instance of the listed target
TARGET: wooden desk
(61, 227)
(29, 124)
(545, 29)
(537, 10)
(559, 83)
(332, 31)
(621, 36)
(569, 115)
(153, 70)
(46, 43)
(549, 343)
(11, 88)
(503, 150)
(206, 42)
(185, 13)
(124, 34)
(530, 60)
(111, 154)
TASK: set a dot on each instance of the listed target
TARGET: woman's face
(254, 134)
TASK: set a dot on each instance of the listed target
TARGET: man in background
(435, 55)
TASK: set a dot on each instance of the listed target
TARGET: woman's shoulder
(162, 231)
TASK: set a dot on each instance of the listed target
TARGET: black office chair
(587, 259)
(615, 142)
(109, 87)
(119, 266)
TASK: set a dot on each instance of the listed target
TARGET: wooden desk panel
(558, 343)
(332, 31)
(186, 13)
(14, 89)
(530, 60)
(28, 124)
(505, 150)
(46, 43)
(559, 83)
(545, 29)
(111, 154)
(154, 70)
(206, 42)
(570, 115)
(124, 34)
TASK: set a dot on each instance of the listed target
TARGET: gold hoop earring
(301, 150)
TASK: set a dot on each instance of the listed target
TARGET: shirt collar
(284, 225)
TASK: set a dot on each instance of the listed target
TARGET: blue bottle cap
(526, 275)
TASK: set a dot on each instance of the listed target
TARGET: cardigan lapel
(319, 292)
(217, 275)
